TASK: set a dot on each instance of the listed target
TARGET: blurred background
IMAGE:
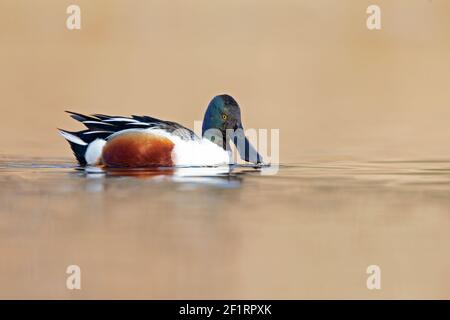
(308, 67)
(362, 114)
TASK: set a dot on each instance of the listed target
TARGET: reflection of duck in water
(142, 141)
(194, 177)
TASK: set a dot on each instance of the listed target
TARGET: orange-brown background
(310, 68)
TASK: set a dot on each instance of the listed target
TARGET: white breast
(199, 153)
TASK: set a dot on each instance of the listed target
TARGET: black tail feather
(80, 117)
(79, 151)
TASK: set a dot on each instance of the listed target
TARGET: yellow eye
(224, 116)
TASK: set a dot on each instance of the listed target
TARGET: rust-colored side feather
(137, 150)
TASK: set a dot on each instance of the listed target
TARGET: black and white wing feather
(101, 125)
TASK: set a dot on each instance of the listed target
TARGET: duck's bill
(246, 150)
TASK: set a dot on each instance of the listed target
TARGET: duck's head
(222, 123)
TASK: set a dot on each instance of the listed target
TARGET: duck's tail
(87, 151)
(87, 145)
(77, 145)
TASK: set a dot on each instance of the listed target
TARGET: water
(309, 231)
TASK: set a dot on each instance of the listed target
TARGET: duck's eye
(224, 116)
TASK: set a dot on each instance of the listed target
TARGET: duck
(144, 141)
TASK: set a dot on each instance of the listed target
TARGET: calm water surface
(309, 231)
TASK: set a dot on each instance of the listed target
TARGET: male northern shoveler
(142, 141)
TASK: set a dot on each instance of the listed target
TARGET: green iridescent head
(222, 123)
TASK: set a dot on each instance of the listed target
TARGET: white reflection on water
(219, 177)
